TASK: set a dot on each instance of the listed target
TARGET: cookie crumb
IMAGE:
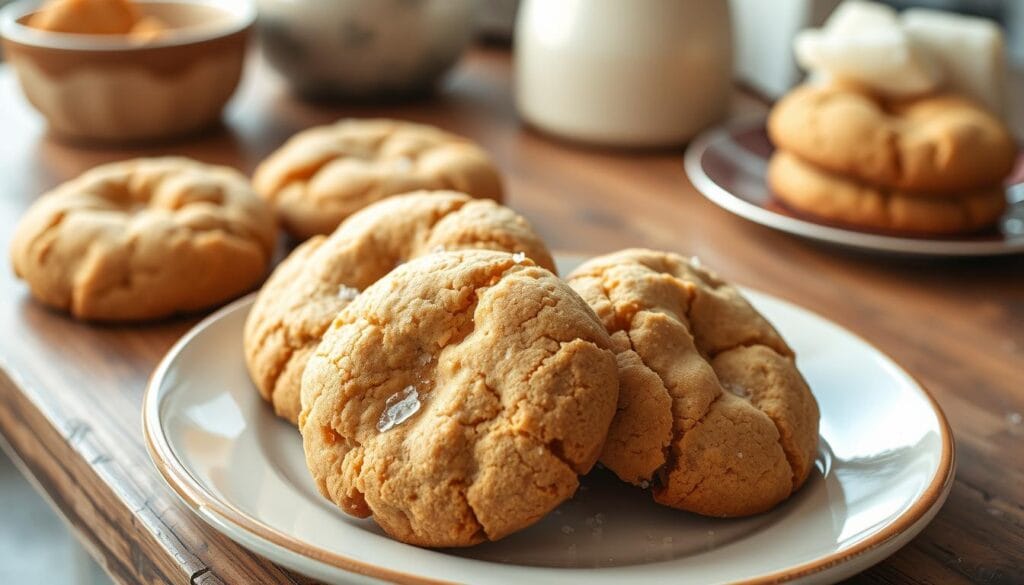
(645, 484)
(1015, 421)
(695, 262)
(738, 390)
(403, 164)
(519, 257)
(568, 529)
(739, 455)
(347, 293)
(1014, 225)
(398, 408)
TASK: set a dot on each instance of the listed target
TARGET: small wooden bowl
(104, 88)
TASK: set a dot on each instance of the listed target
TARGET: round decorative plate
(728, 165)
(884, 468)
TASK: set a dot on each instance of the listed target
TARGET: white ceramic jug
(637, 73)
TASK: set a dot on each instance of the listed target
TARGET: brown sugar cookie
(831, 197)
(458, 398)
(324, 174)
(713, 415)
(143, 239)
(309, 288)
(940, 144)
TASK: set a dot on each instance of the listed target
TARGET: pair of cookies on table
(149, 238)
(922, 165)
(448, 383)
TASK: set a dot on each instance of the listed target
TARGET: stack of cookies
(899, 129)
(927, 165)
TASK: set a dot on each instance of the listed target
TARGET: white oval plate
(884, 468)
(728, 164)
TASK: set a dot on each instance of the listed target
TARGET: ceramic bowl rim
(241, 16)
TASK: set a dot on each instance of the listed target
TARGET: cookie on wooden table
(143, 239)
(309, 288)
(324, 174)
(713, 415)
(941, 144)
(458, 399)
(807, 189)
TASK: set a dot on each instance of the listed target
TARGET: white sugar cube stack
(864, 42)
(908, 54)
(971, 52)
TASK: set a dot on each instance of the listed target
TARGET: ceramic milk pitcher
(637, 73)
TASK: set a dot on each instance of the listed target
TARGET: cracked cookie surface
(324, 174)
(936, 145)
(713, 414)
(514, 383)
(144, 239)
(308, 289)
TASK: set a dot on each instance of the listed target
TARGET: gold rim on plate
(197, 497)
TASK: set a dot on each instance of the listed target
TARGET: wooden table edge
(60, 457)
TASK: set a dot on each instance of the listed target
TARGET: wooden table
(70, 392)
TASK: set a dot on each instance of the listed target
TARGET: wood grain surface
(70, 394)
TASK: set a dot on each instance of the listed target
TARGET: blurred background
(758, 42)
(32, 536)
(496, 18)
(1009, 13)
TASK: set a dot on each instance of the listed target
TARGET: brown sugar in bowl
(117, 88)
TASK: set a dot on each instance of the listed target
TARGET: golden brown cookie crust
(831, 197)
(324, 174)
(143, 239)
(516, 388)
(308, 289)
(940, 144)
(712, 413)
